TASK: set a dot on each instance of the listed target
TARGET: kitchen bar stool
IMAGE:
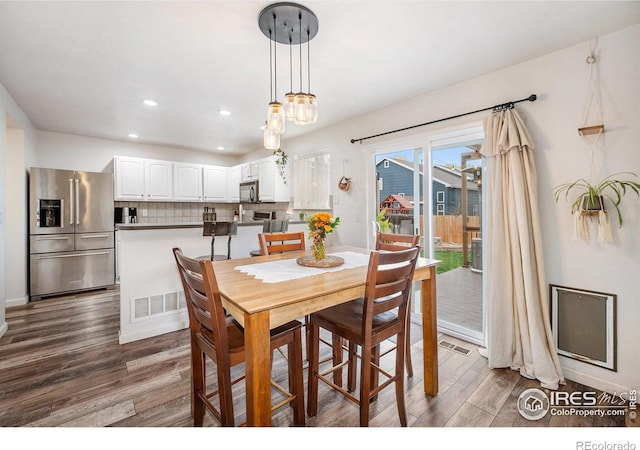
(219, 229)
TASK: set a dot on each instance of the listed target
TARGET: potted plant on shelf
(281, 162)
(591, 199)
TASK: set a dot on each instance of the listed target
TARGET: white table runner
(289, 269)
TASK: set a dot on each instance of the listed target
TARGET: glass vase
(318, 250)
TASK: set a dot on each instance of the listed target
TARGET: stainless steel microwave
(249, 192)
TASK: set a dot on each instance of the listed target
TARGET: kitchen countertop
(164, 226)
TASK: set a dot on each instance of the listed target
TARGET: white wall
(560, 81)
(16, 218)
(68, 151)
(12, 118)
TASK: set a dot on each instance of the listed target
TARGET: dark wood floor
(61, 365)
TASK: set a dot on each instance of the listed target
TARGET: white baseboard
(20, 301)
(151, 332)
(594, 382)
(3, 329)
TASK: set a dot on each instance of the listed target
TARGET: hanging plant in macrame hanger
(591, 196)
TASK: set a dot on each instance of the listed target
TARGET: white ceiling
(85, 67)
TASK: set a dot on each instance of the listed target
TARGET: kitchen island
(151, 297)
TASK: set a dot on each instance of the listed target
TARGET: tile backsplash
(181, 212)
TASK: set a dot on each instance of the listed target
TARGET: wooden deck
(460, 298)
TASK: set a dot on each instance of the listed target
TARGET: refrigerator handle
(77, 202)
(71, 212)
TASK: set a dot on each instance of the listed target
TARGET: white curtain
(518, 328)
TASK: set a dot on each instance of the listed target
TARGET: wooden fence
(449, 228)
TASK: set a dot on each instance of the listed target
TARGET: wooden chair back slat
(271, 243)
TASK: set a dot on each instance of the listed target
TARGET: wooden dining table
(260, 306)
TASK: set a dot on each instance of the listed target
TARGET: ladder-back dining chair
(380, 315)
(394, 242)
(272, 226)
(271, 243)
(218, 337)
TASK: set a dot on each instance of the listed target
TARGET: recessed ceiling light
(220, 148)
(224, 112)
(133, 135)
(150, 102)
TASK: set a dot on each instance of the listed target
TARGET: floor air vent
(455, 348)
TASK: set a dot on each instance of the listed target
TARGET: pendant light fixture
(292, 24)
(275, 112)
(271, 140)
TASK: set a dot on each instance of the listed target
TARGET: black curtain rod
(500, 107)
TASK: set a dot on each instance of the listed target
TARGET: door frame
(455, 136)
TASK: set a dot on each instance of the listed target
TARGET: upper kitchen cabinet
(250, 171)
(158, 179)
(142, 179)
(273, 186)
(233, 183)
(215, 184)
(129, 178)
(187, 182)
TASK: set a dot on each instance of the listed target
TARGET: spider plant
(591, 196)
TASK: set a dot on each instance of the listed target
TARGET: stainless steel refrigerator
(71, 231)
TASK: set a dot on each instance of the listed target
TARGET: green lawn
(450, 260)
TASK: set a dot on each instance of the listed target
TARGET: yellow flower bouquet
(320, 225)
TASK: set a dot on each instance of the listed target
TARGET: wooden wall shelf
(595, 129)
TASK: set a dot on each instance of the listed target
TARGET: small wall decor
(345, 182)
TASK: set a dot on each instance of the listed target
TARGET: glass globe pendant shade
(301, 109)
(313, 109)
(289, 106)
(275, 117)
(271, 139)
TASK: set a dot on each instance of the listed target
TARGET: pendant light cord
(290, 64)
(300, 35)
(270, 69)
(275, 58)
(308, 62)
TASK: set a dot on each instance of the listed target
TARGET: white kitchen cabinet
(250, 171)
(215, 183)
(233, 184)
(129, 178)
(272, 187)
(158, 180)
(187, 182)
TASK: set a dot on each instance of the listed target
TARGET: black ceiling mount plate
(288, 20)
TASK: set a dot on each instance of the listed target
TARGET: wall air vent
(156, 305)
